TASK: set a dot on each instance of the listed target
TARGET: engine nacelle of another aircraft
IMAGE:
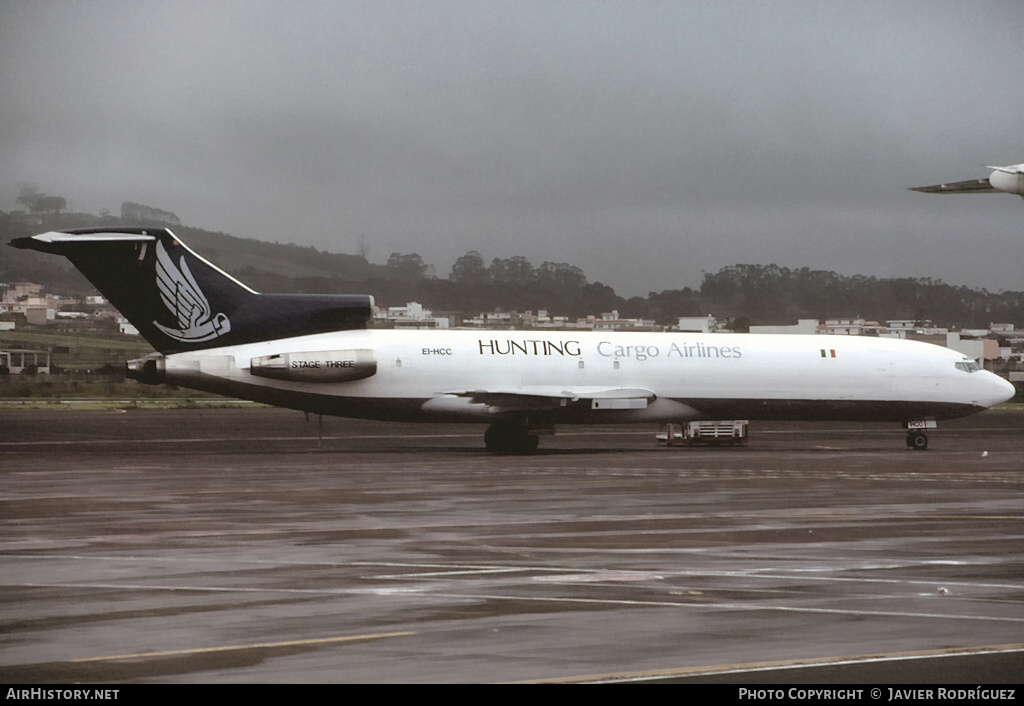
(317, 366)
(1012, 182)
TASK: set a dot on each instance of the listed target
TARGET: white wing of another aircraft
(1004, 180)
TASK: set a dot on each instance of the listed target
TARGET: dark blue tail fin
(178, 301)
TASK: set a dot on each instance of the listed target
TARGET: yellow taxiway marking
(253, 646)
(708, 670)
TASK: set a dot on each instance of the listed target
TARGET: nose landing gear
(916, 438)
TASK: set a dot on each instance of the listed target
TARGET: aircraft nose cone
(1003, 390)
(992, 389)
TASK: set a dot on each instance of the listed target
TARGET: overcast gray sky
(644, 142)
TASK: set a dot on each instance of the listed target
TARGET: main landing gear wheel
(917, 441)
(510, 438)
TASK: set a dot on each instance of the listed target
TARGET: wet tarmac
(249, 545)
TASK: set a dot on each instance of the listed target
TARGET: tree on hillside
(406, 267)
(28, 195)
(52, 204)
(35, 201)
(469, 270)
(560, 276)
(516, 271)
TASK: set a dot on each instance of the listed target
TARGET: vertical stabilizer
(180, 301)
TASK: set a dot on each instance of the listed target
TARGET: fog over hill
(756, 293)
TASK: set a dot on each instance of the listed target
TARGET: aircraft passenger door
(583, 371)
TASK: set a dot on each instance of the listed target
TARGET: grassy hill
(264, 266)
(240, 255)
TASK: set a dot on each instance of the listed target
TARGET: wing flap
(546, 398)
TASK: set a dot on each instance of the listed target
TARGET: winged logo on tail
(182, 296)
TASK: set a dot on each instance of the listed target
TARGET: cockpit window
(968, 366)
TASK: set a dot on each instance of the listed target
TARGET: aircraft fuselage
(427, 375)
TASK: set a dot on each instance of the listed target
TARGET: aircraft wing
(542, 398)
(972, 186)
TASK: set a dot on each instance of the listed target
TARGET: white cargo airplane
(1007, 180)
(314, 353)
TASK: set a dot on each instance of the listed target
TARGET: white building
(802, 327)
(18, 360)
(697, 324)
(980, 349)
(412, 315)
(610, 321)
(125, 327)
